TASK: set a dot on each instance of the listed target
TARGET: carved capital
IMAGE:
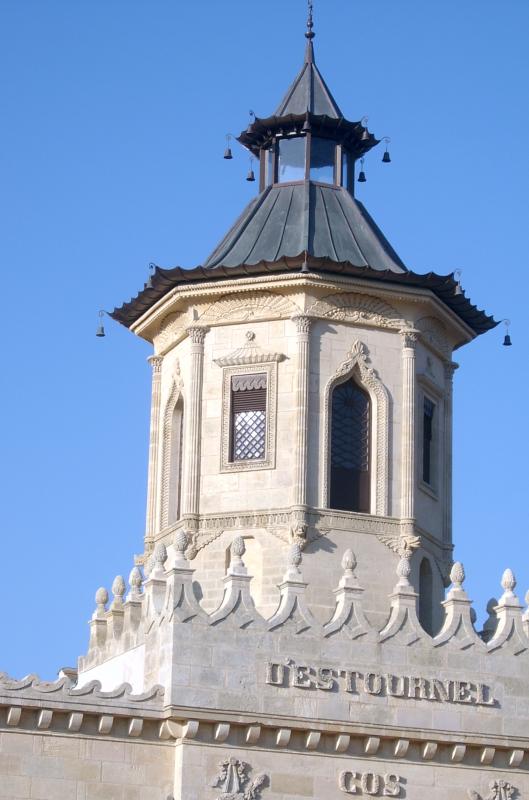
(197, 334)
(302, 322)
(449, 369)
(156, 364)
(410, 337)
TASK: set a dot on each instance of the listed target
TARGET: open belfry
(296, 626)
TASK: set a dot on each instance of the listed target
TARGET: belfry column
(407, 511)
(303, 324)
(193, 423)
(154, 452)
(449, 368)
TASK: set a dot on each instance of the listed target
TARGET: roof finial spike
(309, 52)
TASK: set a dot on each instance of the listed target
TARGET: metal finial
(310, 33)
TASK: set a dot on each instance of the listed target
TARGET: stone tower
(302, 378)
(289, 635)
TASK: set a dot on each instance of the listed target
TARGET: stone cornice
(179, 297)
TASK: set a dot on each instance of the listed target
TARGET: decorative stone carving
(175, 395)
(458, 627)
(499, 790)
(234, 782)
(358, 309)
(118, 590)
(245, 307)
(510, 623)
(434, 333)
(135, 582)
(403, 544)
(349, 614)
(357, 362)
(172, 328)
(249, 353)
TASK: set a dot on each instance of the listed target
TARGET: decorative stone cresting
(510, 623)
(349, 615)
(237, 600)
(458, 625)
(499, 790)
(169, 595)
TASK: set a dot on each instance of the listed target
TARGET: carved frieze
(246, 307)
(358, 309)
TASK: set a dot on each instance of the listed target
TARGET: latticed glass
(248, 417)
(350, 447)
(249, 435)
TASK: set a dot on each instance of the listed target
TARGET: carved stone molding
(171, 328)
(302, 322)
(357, 308)
(245, 307)
(409, 338)
(167, 445)
(197, 334)
(268, 366)
(249, 353)
(357, 363)
(434, 334)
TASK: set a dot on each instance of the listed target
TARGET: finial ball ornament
(508, 581)
(160, 554)
(135, 578)
(349, 561)
(101, 596)
(457, 574)
(118, 586)
(180, 541)
(238, 548)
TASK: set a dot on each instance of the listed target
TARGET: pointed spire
(309, 92)
(309, 34)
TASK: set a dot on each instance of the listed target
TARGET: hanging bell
(100, 332)
(386, 158)
(365, 135)
(250, 177)
(306, 126)
(362, 176)
(228, 154)
(459, 289)
(507, 340)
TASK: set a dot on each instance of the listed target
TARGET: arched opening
(350, 443)
(426, 596)
(175, 462)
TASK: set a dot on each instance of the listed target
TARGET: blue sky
(114, 115)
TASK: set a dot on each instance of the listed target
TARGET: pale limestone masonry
(269, 645)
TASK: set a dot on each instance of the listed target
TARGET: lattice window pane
(248, 417)
(249, 435)
(350, 448)
(350, 428)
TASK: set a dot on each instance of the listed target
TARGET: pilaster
(193, 422)
(303, 324)
(449, 369)
(153, 479)
(409, 341)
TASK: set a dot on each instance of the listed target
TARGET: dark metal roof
(309, 92)
(322, 220)
(442, 286)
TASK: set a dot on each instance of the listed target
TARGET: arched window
(350, 467)
(426, 596)
(175, 462)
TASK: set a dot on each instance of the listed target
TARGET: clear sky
(114, 114)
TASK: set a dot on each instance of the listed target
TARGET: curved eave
(442, 286)
(261, 131)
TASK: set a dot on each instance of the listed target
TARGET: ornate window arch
(172, 457)
(356, 366)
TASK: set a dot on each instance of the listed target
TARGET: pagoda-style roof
(322, 220)
(309, 92)
(309, 225)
